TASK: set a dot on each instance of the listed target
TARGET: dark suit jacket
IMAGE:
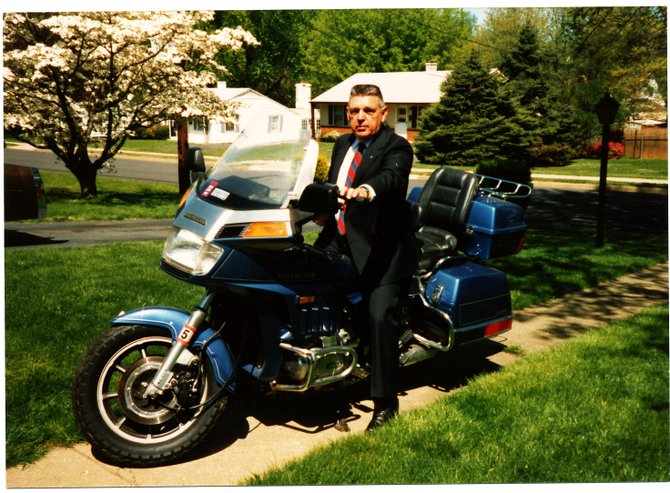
(382, 247)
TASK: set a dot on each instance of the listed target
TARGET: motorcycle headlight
(189, 252)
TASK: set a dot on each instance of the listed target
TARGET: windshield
(269, 164)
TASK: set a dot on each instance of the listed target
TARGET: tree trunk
(88, 184)
(86, 173)
(182, 145)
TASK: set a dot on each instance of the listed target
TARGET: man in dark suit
(372, 230)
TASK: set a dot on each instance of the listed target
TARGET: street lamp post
(606, 110)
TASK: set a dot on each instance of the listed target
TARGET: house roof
(228, 93)
(397, 87)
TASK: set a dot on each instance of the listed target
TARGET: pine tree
(522, 68)
(473, 122)
(550, 125)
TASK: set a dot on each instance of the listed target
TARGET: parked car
(24, 193)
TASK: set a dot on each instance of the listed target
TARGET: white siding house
(405, 93)
(202, 130)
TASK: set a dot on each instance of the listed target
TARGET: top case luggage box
(494, 228)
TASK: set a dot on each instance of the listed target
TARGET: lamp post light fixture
(606, 110)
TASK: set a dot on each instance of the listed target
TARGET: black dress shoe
(383, 415)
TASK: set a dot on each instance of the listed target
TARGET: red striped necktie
(351, 174)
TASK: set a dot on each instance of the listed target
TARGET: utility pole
(606, 110)
(182, 146)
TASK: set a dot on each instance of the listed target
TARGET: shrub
(331, 136)
(552, 154)
(158, 132)
(615, 150)
(505, 169)
(322, 167)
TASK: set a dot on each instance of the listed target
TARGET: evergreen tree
(550, 125)
(473, 122)
(521, 66)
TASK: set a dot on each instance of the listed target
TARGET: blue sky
(479, 13)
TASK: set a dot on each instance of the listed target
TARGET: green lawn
(118, 199)
(623, 168)
(168, 147)
(60, 299)
(617, 168)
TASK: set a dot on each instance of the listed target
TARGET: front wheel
(123, 426)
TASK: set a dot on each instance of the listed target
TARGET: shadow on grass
(560, 257)
(19, 238)
(335, 407)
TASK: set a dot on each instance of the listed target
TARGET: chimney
(220, 84)
(431, 67)
(303, 94)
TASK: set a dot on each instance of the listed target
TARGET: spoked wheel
(124, 426)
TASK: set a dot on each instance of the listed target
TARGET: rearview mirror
(320, 198)
(195, 162)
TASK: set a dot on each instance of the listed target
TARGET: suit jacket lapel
(375, 149)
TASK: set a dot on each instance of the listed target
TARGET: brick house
(406, 94)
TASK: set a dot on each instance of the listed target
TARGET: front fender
(172, 319)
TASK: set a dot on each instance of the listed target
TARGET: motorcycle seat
(440, 214)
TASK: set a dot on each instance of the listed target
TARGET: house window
(274, 124)
(414, 115)
(228, 127)
(199, 124)
(337, 115)
(401, 114)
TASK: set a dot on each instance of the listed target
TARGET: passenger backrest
(445, 200)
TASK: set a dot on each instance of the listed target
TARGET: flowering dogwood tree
(68, 77)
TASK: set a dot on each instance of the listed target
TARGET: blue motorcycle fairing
(173, 319)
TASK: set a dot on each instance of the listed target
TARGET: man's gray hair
(367, 90)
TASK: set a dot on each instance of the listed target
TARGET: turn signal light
(273, 229)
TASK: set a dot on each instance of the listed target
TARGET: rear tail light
(498, 327)
(521, 242)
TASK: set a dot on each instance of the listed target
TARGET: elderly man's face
(366, 116)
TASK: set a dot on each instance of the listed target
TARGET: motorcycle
(277, 310)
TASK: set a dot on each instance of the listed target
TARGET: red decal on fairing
(212, 185)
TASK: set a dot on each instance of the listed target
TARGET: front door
(402, 113)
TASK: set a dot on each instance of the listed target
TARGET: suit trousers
(381, 303)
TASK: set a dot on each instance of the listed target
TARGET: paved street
(643, 212)
(127, 166)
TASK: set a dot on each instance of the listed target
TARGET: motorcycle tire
(124, 428)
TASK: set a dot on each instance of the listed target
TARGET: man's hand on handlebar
(360, 194)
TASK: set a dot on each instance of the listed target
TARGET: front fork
(178, 352)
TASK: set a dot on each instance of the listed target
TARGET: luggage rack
(503, 189)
